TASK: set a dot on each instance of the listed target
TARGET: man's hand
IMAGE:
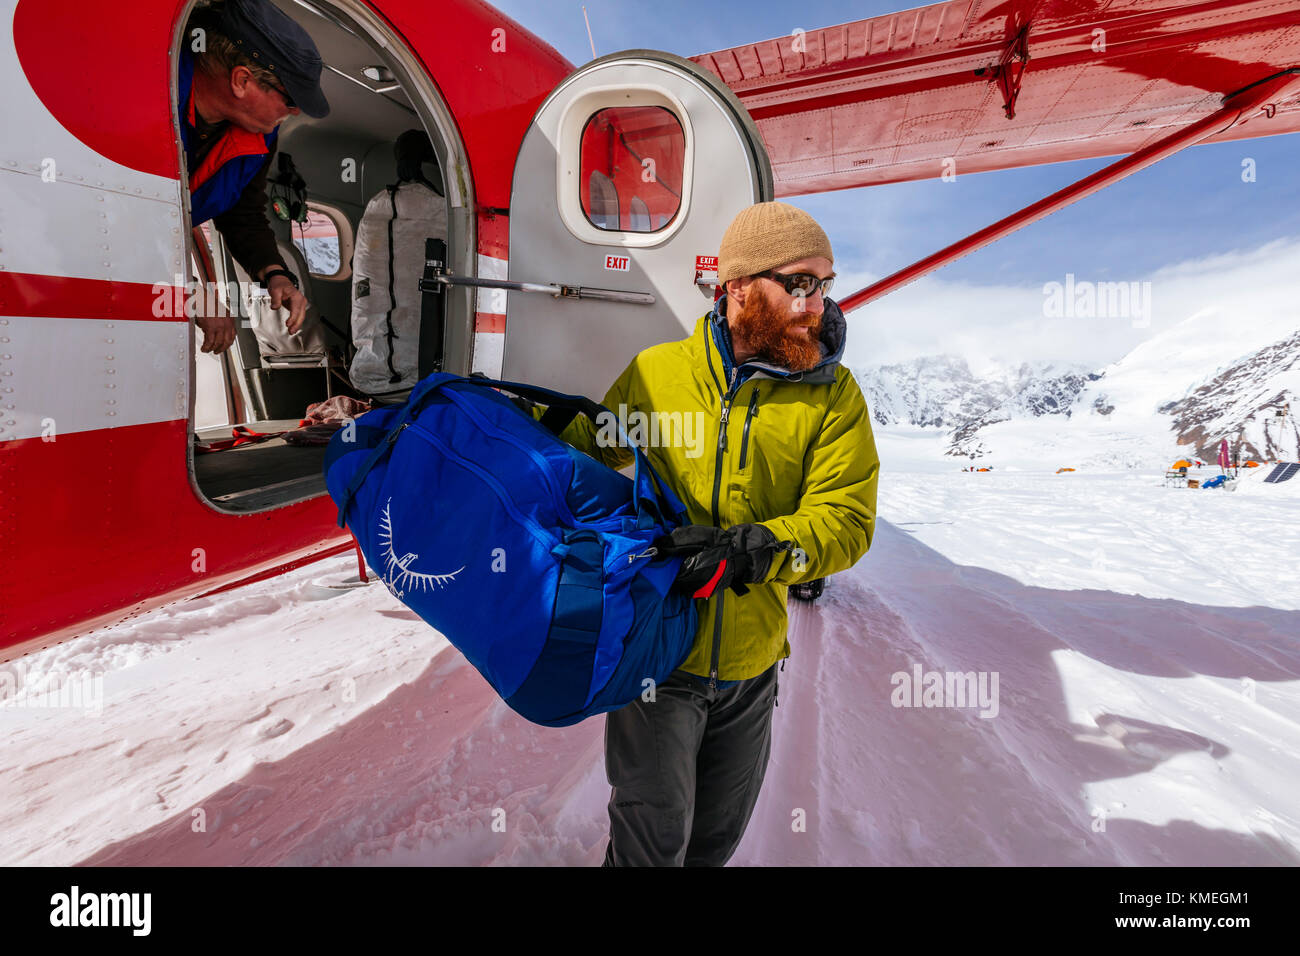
(218, 332)
(285, 296)
(716, 558)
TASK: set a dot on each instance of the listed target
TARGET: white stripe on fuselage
(97, 219)
(75, 375)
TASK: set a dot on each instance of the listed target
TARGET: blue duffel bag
(531, 557)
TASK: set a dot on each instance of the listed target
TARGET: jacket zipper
(744, 437)
(717, 485)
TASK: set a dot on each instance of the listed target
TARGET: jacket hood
(833, 334)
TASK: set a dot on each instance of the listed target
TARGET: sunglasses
(288, 100)
(800, 283)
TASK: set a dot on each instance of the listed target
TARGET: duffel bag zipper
(561, 506)
(540, 533)
(552, 484)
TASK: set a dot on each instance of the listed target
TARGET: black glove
(720, 557)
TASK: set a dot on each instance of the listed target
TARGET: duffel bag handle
(415, 404)
(651, 496)
(649, 490)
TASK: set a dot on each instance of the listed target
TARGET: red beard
(763, 328)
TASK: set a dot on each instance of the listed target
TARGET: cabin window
(321, 240)
(641, 151)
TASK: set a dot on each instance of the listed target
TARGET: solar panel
(1283, 472)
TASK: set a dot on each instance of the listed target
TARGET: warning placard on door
(706, 271)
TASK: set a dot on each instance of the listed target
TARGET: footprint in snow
(269, 730)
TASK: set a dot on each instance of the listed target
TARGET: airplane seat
(390, 331)
(277, 347)
(286, 372)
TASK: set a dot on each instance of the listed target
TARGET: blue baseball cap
(269, 37)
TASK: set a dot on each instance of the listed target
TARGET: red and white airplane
(597, 196)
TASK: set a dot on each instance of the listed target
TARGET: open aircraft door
(631, 171)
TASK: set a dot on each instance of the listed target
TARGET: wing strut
(1239, 106)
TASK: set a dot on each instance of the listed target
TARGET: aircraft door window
(321, 239)
(639, 151)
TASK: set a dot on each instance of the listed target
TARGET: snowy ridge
(1250, 403)
(933, 392)
(1176, 394)
(940, 391)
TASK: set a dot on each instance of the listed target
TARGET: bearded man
(785, 495)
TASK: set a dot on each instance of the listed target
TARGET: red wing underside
(893, 98)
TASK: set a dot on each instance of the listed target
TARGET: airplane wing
(977, 85)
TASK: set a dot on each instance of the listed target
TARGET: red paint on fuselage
(101, 525)
(98, 526)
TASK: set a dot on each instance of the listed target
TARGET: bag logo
(398, 574)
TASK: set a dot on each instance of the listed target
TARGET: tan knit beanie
(768, 235)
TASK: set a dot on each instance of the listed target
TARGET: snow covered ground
(1145, 641)
(1118, 531)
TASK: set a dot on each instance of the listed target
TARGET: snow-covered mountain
(1176, 394)
(1035, 391)
(1250, 403)
(936, 391)
(940, 391)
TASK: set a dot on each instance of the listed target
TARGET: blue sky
(1192, 206)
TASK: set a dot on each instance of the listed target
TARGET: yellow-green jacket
(758, 443)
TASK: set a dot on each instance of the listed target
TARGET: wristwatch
(281, 272)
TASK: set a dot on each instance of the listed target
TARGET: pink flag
(1224, 461)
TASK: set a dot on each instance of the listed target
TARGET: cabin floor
(258, 476)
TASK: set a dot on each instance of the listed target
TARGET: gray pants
(686, 769)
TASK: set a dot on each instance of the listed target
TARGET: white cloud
(1001, 324)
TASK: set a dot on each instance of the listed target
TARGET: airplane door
(631, 171)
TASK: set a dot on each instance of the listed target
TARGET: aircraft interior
(265, 383)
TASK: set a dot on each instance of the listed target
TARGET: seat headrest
(411, 150)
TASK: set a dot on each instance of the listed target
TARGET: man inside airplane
(245, 67)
